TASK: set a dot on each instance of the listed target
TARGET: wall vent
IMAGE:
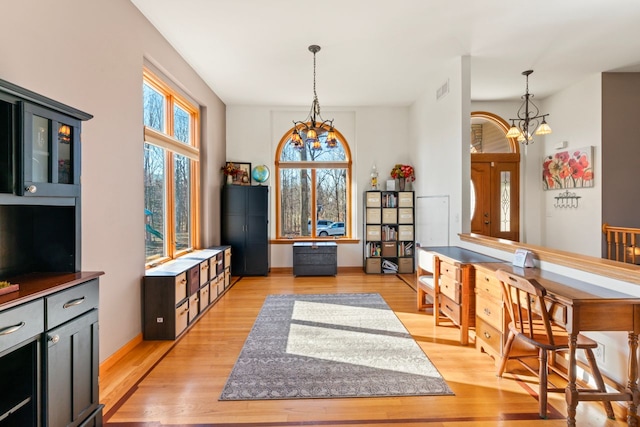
(442, 90)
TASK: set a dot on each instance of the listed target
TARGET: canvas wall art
(572, 168)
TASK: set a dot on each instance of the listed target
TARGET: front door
(495, 184)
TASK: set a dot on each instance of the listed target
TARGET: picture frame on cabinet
(243, 177)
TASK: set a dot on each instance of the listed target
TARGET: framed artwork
(572, 168)
(243, 176)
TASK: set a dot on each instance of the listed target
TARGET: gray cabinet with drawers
(315, 259)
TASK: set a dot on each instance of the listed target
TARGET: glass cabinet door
(50, 150)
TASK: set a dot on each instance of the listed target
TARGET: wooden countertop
(460, 255)
(565, 287)
(38, 285)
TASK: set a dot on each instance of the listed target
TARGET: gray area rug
(329, 346)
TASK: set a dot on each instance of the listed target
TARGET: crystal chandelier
(314, 124)
(528, 121)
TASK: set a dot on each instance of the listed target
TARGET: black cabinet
(39, 144)
(72, 364)
(50, 150)
(245, 227)
(49, 329)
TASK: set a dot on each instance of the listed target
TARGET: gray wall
(89, 55)
(621, 149)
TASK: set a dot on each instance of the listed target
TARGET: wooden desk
(454, 277)
(580, 307)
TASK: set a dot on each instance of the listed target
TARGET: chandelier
(313, 125)
(528, 121)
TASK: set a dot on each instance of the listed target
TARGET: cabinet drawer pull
(486, 278)
(487, 335)
(31, 189)
(487, 312)
(73, 302)
(54, 338)
(11, 329)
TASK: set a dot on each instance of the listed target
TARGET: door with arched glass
(495, 178)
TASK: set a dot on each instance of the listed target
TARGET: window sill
(340, 240)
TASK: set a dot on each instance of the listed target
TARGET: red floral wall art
(572, 168)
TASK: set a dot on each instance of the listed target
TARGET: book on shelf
(390, 200)
(374, 249)
(405, 248)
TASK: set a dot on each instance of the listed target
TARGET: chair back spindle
(525, 304)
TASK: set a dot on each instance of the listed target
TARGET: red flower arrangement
(403, 171)
(230, 169)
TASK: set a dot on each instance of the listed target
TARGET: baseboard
(120, 353)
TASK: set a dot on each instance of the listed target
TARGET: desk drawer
(450, 288)
(450, 309)
(450, 271)
(557, 312)
(490, 310)
(488, 284)
(491, 336)
(65, 305)
(21, 323)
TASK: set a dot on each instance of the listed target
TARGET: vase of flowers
(230, 170)
(404, 174)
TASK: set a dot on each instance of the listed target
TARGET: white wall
(89, 55)
(439, 131)
(542, 223)
(577, 118)
(376, 135)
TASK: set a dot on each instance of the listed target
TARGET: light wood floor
(182, 388)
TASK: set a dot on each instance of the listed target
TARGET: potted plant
(230, 170)
(403, 173)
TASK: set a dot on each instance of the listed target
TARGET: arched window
(313, 188)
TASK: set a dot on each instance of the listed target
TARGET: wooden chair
(426, 284)
(530, 322)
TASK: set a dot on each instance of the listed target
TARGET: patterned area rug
(328, 346)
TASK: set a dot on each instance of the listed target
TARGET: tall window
(312, 190)
(170, 171)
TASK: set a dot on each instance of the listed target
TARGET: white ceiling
(388, 52)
